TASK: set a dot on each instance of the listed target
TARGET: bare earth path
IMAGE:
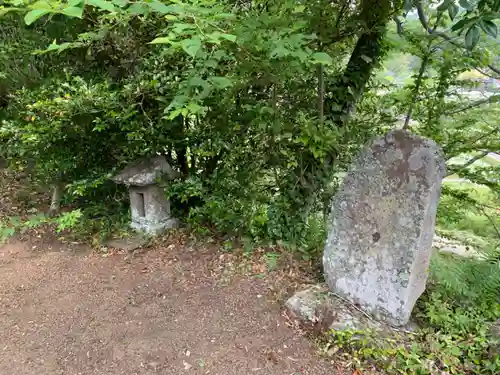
(169, 311)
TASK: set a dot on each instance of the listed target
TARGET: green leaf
(73, 12)
(490, 16)
(65, 46)
(197, 81)
(161, 40)
(74, 3)
(102, 4)
(223, 15)
(180, 27)
(229, 37)
(462, 23)
(299, 8)
(35, 14)
(6, 10)
(322, 58)
(137, 8)
(280, 51)
(191, 46)
(444, 5)
(59, 47)
(214, 37)
(489, 28)
(177, 112)
(53, 46)
(408, 4)
(159, 7)
(221, 82)
(472, 37)
(194, 108)
(120, 3)
(466, 4)
(453, 10)
(41, 5)
(211, 64)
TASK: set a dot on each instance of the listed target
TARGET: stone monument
(382, 223)
(149, 207)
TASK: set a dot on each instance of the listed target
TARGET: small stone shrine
(149, 207)
(382, 223)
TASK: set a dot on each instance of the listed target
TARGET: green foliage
(472, 209)
(271, 259)
(66, 221)
(6, 231)
(475, 281)
(456, 340)
(252, 103)
(58, 125)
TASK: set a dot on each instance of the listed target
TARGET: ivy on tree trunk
(369, 49)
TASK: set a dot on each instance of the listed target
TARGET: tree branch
(487, 74)
(421, 16)
(491, 220)
(418, 83)
(475, 158)
(438, 18)
(481, 137)
(491, 99)
(399, 25)
(470, 162)
(341, 14)
(321, 92)
(425, 24)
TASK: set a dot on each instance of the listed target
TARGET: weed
(272, 259)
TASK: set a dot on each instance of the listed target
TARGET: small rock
(187, 366)
(316, 308)
(128, 244)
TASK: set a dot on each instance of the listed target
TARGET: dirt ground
(175, 309)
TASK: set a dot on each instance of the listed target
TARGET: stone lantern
(148, 205)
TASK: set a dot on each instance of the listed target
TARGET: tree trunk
(366, 55)
(181, 148)
(57, 194)
(343, 97)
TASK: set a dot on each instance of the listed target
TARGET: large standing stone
(382, 223)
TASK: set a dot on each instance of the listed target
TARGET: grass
(461, 217)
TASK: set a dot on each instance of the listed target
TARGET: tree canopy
(272, 96)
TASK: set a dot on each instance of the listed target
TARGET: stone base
(155, 229)
(320, 310)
